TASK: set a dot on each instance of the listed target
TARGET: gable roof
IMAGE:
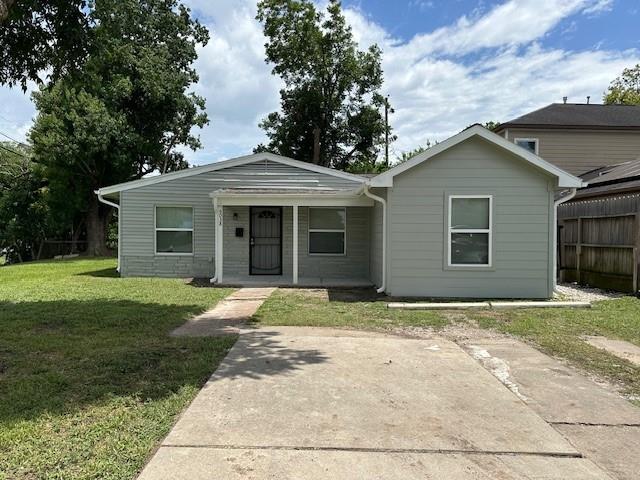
(564, 179)
(579, 115)
(233, 162)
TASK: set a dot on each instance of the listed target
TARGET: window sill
(470, 268)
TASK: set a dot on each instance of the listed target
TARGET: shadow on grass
(104, 273)
(60, 356)
(349, 295)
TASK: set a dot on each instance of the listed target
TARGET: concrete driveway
(317, 404)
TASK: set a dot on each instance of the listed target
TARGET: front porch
(293, 238)
(287, 281)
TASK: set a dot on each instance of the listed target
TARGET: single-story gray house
(472, 216)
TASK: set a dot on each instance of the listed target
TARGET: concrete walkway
(227, 316)
(599, 423)
(619, 348)
(309, 403)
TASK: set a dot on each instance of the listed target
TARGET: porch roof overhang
(286, 197)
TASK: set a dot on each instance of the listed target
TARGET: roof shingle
(579, 115)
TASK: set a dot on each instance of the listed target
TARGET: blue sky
(447, 64)
(614, 24)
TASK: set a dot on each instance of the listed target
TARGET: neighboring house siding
(578, 151)
(375, 262)
(138, 255)
(522, 207)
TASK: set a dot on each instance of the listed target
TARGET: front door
(265, 241)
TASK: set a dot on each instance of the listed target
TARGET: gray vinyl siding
(522, 212)
(375, 261)
(138, 255)
(578, 151)
(353, 265)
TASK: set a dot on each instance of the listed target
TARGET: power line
(14, 140)
(11, 151)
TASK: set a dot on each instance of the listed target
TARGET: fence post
(579, 250)
(636, 251)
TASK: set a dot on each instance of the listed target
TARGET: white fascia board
(227, 164)
(564, 179)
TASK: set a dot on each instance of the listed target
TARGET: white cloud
(437, 88)
(599, 6)
(489, 65)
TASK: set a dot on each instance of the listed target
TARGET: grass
(89, 379)
(559, 332)
(342, 309)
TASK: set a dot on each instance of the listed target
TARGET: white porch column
(295, 244)
(219, 238)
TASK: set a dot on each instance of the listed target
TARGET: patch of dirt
(319, 293)
(461, 329)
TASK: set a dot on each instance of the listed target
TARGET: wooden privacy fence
(599, 242)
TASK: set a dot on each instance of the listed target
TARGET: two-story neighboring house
(599, 228)
(578, 137)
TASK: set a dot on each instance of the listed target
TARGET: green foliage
(122, 114)
(625, 90)
(331, 102)
(24, 213)
(38, 36)
(491, 125)
(408, 155)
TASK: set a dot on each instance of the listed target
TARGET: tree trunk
(5, 6)
(316, 145)
(96, 230)
(75, 236)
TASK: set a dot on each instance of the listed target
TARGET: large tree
(625, 90)
(38, 36)
(123, 113)
(331, 104)
(24, 212)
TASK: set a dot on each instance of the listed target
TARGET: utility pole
(386, 131)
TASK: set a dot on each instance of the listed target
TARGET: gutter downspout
(365, 190)
(214, 279)
(560, 201)
(117, 207)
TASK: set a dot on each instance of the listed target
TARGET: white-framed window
(174, 230)
(327, 231)
(530, 144)
(470, 230)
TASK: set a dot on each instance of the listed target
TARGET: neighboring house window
(530, 144)
(174, 230)
(470, 230)
(327, 231)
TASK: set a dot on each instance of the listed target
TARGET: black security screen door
(265, 242)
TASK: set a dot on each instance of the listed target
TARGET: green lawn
(559, 331)
(89, 379)
(352, 309)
